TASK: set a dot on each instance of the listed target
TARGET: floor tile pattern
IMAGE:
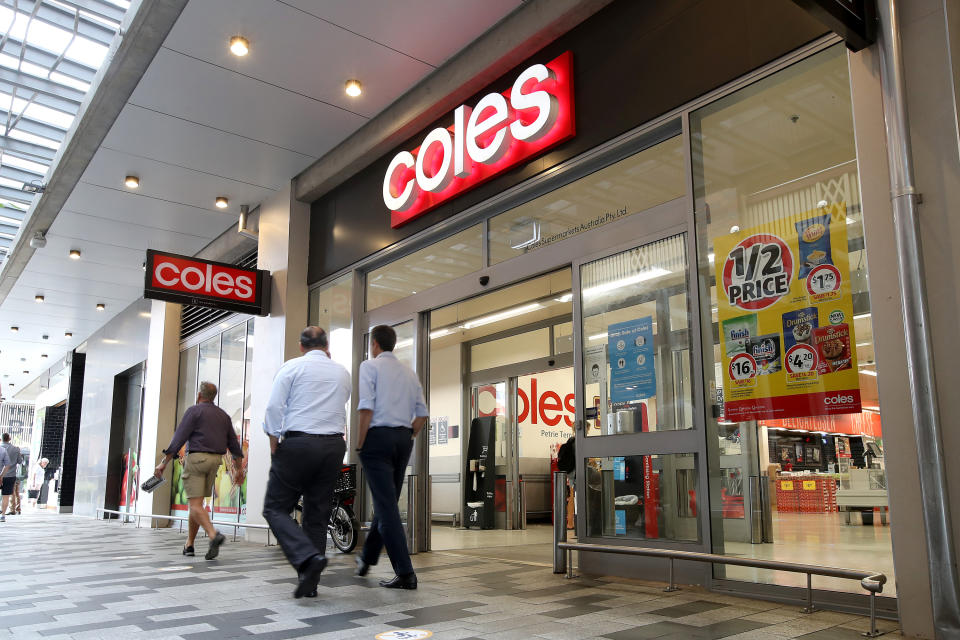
(76, 578)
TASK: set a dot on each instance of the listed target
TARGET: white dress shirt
(309, 394)
(391, 390)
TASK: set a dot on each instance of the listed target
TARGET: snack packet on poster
(737, 333)
(833, 348)
(798, 326)
(766, 351)
(814, 243)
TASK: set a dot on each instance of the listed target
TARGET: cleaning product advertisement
(786, 318)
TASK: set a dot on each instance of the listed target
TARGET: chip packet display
(814, 243)
(833, 348)
(798, 326)
(737, 333)
(766, 352)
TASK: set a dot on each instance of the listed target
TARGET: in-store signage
(497, 133)
(204, 283)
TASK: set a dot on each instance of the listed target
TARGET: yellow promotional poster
(786, 318)
(809, 485)
(786, 485)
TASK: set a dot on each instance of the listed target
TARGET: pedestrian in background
(306, 418)
(36, 481)
(208, 432)
(391, 412)
(6, 465)
(10, 477)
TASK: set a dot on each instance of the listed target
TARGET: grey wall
(130, 329)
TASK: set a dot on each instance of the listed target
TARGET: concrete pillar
(159, 400)
(284, 229)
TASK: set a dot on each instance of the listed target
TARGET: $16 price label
(743, 370)
(801, 364)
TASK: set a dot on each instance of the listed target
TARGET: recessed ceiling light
(132, 182)
(38, 298)
(735, 229)
(239, 46)
(74, 254)
(44, 356)
(68, 334)
(101, 306)
(353, 88)
(222, 202)
(14, 329)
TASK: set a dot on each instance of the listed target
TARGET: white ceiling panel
(429, 30)
(126, 235)
(56, 265)
(72, 291)
(295, 51)
(170, 182)
(244, 105)
(193, 146)
(92, 252)
(134, 208)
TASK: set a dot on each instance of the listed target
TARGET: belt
(387, 426)
(213, 453)
(304, 434)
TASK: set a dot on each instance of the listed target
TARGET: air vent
(195, 319)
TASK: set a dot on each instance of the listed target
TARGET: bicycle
(344, 527)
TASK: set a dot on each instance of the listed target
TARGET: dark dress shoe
(310, 576)
(189, 551)
(362, 567)
(408, 581)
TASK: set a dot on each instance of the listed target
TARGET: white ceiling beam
(45, 59)
(60, 17)
(27, 150)
(70, 96)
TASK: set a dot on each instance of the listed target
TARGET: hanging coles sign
(185, 280)
(497, 133)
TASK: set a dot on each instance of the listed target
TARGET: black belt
(304, 434)
(387, 426)
(213, 453)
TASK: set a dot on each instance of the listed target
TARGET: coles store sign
(497, 133)
(186, 280)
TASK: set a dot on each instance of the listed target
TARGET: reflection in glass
(187, 386)
(650, 497)
(208, 367)
(636, 368)
(226, 499)
(331, 309)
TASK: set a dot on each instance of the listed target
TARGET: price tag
(801, 364)
(743, 370)
(786, 485)
(809, 485)
(823, 283)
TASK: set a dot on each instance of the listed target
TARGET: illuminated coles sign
(497, 133)
(187, 280)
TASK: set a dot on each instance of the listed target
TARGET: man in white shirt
(305, 419)
(392, 412)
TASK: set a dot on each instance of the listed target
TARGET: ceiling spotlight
(14, 329)
(74, 254)
(132, 182)
(222, 202)
(101, 306)
(68, 334)
(353, 88)
(38, 298)
(239, 46)
(44, 356)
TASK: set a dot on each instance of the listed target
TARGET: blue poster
(619, 468)
(632, 374)
(620, 522)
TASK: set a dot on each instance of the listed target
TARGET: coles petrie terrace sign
(204, 283)
(497, 133)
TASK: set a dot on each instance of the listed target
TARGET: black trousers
(308, 467)
(385, 454)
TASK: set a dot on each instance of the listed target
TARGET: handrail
(182, 519)
(871, 581)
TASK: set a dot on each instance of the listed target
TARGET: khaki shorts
(199, 474)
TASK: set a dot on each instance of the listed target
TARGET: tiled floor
(71, 577)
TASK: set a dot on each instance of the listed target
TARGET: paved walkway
(72, 577)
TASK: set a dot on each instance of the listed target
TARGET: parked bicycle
(344, 527)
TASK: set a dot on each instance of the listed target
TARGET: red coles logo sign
(187, 280)
(497, 133)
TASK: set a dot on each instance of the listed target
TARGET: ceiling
(204, 123)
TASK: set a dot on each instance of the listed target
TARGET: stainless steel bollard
(559, 521)
(412, 515)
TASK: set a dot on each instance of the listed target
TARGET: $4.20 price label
(823, 283)
(743, 370)
(800, 363)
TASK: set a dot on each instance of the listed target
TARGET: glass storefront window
(187, 386)
(646, 179)
(789, 370)
(208, 366)
(442, 261)
(230, 399)
(652, 497)
(636, 364)
(518, 348)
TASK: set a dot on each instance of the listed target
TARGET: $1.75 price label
(800, 363)
(823, 283)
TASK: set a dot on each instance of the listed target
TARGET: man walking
(6, 465)
(391, 412)
(10, 476)
(207, 431)
(36, 484)
(305, 419)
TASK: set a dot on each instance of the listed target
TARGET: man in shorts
(208, 432)
(10, 487)
(6, 466)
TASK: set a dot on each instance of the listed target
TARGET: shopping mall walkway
(72, 577)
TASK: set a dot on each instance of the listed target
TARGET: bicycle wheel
(344, 530)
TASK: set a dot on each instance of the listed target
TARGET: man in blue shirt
(391, 412)
(305, 419)
(6, 466)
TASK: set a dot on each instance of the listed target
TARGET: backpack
(567, 456)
